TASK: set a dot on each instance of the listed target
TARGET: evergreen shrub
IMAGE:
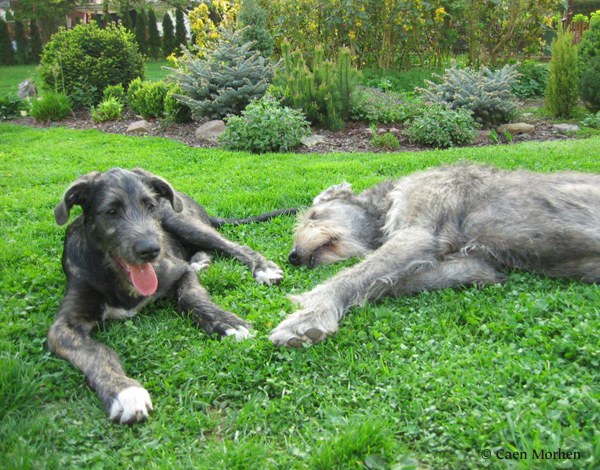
(254, 17)
(561, 92)
(442, 127)
(148, 99)
(102, 57)
(225, 80)
(325, 91)
(589, 85)
(265, 126)
(487, 94)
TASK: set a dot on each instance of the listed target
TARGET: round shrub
(442, 127)
(265, 126)
(100, 57)
(148, 98)
(589, 85)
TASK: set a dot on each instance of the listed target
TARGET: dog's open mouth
(142, 276)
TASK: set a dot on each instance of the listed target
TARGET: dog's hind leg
(194, 299)
(124, 399)
(408, 253)
(204, 237)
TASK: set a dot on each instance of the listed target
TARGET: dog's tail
(218, 222)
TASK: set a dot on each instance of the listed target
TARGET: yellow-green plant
(562, 92)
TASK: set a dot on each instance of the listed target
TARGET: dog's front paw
(307, 326)
(269, 274)
(240, 333)
(131, 406)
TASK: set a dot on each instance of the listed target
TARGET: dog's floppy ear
(162, 188)
(76, 194)
(333, 192)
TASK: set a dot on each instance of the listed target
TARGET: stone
(312, 140)
(27, 88)
(138, 127)
(564, 128)
(210, 131)
(516, 128)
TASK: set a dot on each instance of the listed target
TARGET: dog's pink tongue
(143, 278)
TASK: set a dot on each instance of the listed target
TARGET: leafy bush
(265, 126)
(589, 85)
(485, 93)
(148, 99)
(561, 92)
(533, 81)
(371, 105)
(52, 106)
(108, 110)
(387, 141)
(591, 120)
(224, 82)
(442, 127)
(114, 91)
(325, 91)
(589, 46)
(102, 57)
(174, 110)
(10, 106)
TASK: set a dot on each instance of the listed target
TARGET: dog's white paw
(272, 274)
(305, 326)
(130, 406)
(200, 261)
(240, 333)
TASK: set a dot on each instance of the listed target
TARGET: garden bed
(356, 137)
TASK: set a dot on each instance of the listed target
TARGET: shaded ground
(356, 137)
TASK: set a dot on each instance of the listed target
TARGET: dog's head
(337, 227)
(122, 213)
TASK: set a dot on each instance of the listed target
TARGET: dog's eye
(111, 212)
(150, 206)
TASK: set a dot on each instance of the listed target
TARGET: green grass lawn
(438, 378)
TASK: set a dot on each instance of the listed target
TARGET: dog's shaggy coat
(444, 227)
(137, 240)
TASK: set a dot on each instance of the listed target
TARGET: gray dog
(138, 240)
(445, 227)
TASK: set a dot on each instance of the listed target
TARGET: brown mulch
(356, 137)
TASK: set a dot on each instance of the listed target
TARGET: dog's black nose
(294, 258)
(148, 250)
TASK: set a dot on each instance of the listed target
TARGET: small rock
(27, 88)
(138, 126)
(564, 128)
(516, 128)
(312, 140)
(210, 131)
